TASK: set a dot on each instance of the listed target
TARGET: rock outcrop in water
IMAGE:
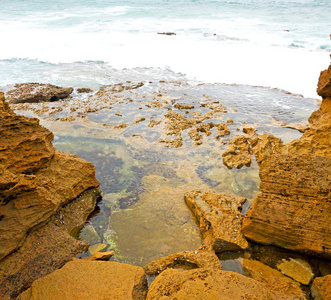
(37, 92)
(293, 209)
(37, 187)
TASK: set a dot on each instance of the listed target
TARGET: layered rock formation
(37, 183)
(293, 209)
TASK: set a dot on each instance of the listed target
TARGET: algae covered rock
(82, 279)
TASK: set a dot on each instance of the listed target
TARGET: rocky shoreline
(284, 241)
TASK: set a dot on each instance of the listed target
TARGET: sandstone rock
(46, 248)
(81, 279)
(204, 284)
(37, 184)
(280, 286)
(297, 269)
(37, 92)
(321, 288)
(96, 248)
(219, 219)
(238, 154)
(324, 83)
(292, 211)
(201, 258)
(102, 255)
(248, 130)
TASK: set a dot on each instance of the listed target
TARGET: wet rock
(167, 33)
(280, 286)
(219, 219)
(292, 211)
(105, 256)
(238, 154)
(204, 284)
(248, 130)
(96, 248)
(297, 269)
(84, 90)
(321, 288)
(46, 248)
(37, 92)
(201, 258)
(89, 234)
(90, 280)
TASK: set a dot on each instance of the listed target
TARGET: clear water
(277, 43)
(142, 215)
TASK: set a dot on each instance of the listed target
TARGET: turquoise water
(276, 43)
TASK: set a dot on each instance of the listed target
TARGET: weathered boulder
(238, 154)
(293, 209)
(280, 286)
(81, 279)
(204, 284)
(321, 288)
(37, 182)
(37, 92)
(219, 219)
(201, 258)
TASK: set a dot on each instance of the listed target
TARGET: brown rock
(46, 248)
(102, 255)
(321, 288)
(204, 284)
(201, 258)
(324, 83)
(293, 209)
(36, 183)
(37, 92)
(248, 130)
(238, 154)
(280, 286)
(297, 269)
(219, 219)
(81, 279)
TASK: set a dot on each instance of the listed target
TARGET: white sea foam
(220, 45)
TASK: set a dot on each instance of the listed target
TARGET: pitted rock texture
(321, 288)
(219, 219)
(81, 279)
(293, 209)
(206, 284)
(201, 258)
(36, 182)
(37, 92)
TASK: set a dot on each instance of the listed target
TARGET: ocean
(274, 43)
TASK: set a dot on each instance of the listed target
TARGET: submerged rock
(37, 92)
(204, 284)
(82, 279)
(219, 219)
(293, 209)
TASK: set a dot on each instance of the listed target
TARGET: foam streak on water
(274, 43)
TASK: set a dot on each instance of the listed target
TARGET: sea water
(275, 43)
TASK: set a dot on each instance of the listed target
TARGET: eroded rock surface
(201, 258)
(37, 181)
(293, 209)
(204, 284)
(219, 219)
(37, 92)
(82, 279)
(321, 288)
